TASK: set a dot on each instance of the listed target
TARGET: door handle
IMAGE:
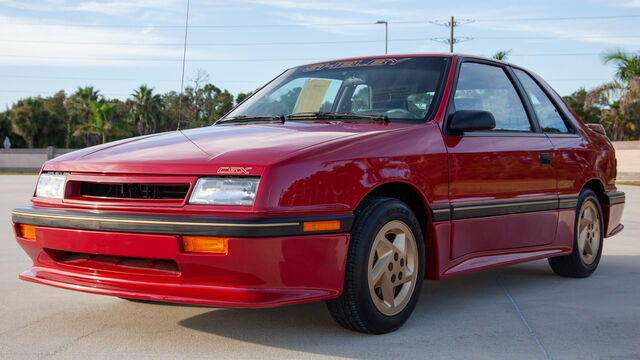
(545, 159)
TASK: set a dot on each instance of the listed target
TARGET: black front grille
(135, 191)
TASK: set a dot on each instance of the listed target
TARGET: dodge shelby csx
(347, 181)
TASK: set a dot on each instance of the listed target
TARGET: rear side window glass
(548, 115)
(487, 88)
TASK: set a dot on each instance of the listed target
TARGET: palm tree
(502, 55)
(101, 123)
(619, 99)
(146, 111)
(80, 110)
(627, 64)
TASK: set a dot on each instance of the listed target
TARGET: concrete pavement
(519, 312)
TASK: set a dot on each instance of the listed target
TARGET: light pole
(386, 33)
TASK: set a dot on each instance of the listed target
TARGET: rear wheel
(587, 240)
(385, 268)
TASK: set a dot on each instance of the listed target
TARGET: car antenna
(184, 58)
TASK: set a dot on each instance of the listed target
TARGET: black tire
(573, 265)
(355, 308)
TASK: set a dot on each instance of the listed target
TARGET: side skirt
(490, 260)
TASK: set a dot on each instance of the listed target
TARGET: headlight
(51, 185)
(225, 191)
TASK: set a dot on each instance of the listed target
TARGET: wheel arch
(409, 195)
(596, 186)
(417, 202)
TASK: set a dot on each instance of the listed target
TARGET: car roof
(453, 55)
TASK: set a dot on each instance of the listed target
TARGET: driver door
(502, 185)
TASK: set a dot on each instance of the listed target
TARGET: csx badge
(234, 170)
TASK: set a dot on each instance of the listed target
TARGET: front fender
(336, 176)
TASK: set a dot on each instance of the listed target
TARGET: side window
(487, 88)
(361, 99)
(548, 115)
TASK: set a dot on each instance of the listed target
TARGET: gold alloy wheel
(588, 232)
(392, 268)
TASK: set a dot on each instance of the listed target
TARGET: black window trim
(572, 130)
(536, 130)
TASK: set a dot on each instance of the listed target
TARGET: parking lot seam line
(524, 320)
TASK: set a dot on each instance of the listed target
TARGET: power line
(566, 18)
(53, 92)
(155, 59)
(236, 59)
(451, 25)
(425, 21)
(109, 79)
(331, 42)
(213, 81)
(558, 54)
(191, 26)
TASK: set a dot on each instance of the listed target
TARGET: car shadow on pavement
(444, 306)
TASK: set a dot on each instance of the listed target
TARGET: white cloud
(575, 32)
(128, 7)
(331, 6)
(631, 4)
(322, 23)
(113, 7)
(24, 42)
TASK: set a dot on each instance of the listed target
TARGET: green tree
(6, 131)
(55, 104)
(100, 125)
(241, 96)
(79, 110)
(627, 64)
(618, 100)
(576, 102)
(146, 110)
(502, 55)
(35, 124)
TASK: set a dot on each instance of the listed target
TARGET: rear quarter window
(548, 115)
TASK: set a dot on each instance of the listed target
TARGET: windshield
(398, 88)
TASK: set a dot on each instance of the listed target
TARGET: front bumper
(141, 256)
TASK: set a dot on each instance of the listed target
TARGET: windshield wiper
(249, 118)
(334, 115)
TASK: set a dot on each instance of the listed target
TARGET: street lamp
(386, 33)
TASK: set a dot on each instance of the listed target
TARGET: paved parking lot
(519, 312)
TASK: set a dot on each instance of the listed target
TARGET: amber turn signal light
(27, 231)
(202, 244)
(321, 225)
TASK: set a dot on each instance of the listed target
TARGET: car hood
(206, 150)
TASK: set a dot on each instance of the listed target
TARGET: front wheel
(384, 270)
(587, 239)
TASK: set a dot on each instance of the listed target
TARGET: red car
(348, 181)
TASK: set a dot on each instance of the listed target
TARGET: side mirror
(471, 120)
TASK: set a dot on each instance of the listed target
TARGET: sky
(117, 45)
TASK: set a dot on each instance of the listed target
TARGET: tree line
(86, 117)
(615, 104)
